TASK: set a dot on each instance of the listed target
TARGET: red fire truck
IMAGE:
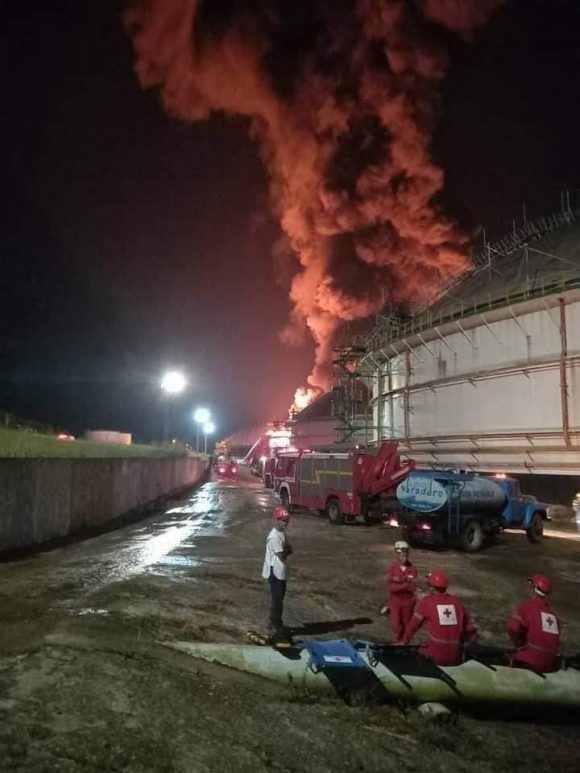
(342, 485)
(268, 471)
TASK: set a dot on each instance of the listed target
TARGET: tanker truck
(463, 509)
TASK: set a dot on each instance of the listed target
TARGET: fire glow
(279, 439)
(343, 100)
(303, 397)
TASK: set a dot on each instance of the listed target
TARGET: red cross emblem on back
(549, 623)
(446, 614)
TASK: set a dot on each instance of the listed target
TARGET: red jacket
(401, 581)
(534, 628)
(448, 626)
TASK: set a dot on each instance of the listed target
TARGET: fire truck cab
(226, 467)
(343, 485)
(268, 471)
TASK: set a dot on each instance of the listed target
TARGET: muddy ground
(86, 683)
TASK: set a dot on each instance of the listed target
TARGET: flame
(303, 396)
(342, 99)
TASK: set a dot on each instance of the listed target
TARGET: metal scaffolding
(351, 395)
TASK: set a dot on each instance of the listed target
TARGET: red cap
(438, 579)
(281, 514)
(541, 584)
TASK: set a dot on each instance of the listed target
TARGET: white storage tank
(487, 378)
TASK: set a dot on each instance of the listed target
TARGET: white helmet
(401, 545)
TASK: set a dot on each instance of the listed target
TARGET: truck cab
(522, 510)
(269, 467)
(284, 478)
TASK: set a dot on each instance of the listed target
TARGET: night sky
(130, 241)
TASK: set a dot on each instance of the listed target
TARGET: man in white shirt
(275, 568)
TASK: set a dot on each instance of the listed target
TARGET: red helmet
(281, 514)
(541, 584)
(438, 579)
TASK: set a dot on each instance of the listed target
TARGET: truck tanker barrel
(427, 491)
(444, 507)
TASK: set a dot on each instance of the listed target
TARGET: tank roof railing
(391, 328)
(529, 231)
(520, 238)
(516, 293)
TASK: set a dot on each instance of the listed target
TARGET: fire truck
(341, 485)
(269, 469)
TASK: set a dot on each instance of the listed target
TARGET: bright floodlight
(209, 428)
(173, 382)
(201, 415)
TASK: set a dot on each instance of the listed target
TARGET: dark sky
(130, 241)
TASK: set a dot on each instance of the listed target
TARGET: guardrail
(529, 231)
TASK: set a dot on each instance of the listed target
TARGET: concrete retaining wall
(42, 500)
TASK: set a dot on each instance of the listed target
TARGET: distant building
(109, 436)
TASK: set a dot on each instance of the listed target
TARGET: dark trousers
(277, 593)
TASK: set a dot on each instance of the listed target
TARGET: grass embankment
(25, 444)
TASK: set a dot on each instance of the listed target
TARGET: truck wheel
(472, 537)
(535, 530)
(334, 512)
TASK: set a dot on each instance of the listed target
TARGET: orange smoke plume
(342, 97)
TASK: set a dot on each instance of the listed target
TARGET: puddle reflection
(154, 548)
(165, 544)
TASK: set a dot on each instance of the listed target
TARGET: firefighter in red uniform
(535, 630)
(401, 585)
(448, 624)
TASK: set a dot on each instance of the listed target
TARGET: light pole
(173, 382)
(200, 416)
(208, 429)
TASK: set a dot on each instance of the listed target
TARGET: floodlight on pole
(173, 382)
(208, 429)
(200, 416)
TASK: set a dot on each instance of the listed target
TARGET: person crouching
(535, 630)
(448, 623)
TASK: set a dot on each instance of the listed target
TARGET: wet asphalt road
(164, 544)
